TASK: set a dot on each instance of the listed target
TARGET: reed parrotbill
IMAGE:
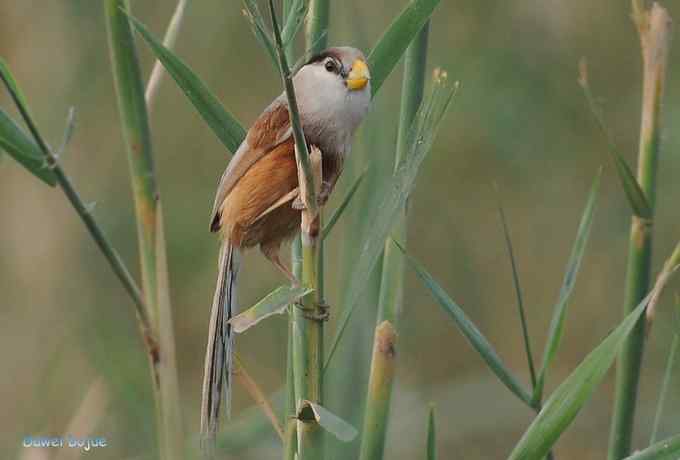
(256, 204)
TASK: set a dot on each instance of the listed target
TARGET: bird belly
(265, 182)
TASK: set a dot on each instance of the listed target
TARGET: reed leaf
(26, 152)
(50, 162)
(518, 293)
(393, 196)
(560, 309)
(667, 376)
(275, 303)
(470, 331)
(294, 18)
(257, 25)
(431, 435)
(225, 126)
(631, 187)
(570, 396)
(389, 49)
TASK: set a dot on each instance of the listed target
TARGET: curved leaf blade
(225, 126)
(470, 331)
(566, 401)
(385, 55)
(393, 197)
(275, 303)
(26, 152)
(573, 266)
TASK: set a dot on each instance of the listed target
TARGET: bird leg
(271, 252)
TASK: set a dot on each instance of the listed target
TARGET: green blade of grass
(636, 198)
(668, 449)
(14, 141)
(470, 331)
(225, 126)
(568, 399)
(275, 303)
(563, 405)
(560, 309)
(257, 25)
(20, 147)
(668, 375)
(431, 436)
(342, 206)
(385, 55)
(394, 196)
(518, 292)
(294, 18)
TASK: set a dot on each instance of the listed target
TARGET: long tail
(218, 355)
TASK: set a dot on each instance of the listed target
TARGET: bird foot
(320, 313)
(321, 199)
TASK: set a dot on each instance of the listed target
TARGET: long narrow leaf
(341, 208)
(15, 142)
(293, 21)
(668, 449)
(391, 46)
(394, 196)
(518, 294)
(431, 436)
(12, 138)
(560, 309)
(470, 331)
(636, 197)
(225, 126)
(257, 24)
(563, 405)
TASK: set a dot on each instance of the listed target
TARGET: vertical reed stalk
(654, 29)
(381, 379)
(307, 330)
(133, 114)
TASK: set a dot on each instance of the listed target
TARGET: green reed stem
(133, 114)
(307, 331)
(381, 380)
(654, 30)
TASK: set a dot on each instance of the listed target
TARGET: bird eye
(330, 66)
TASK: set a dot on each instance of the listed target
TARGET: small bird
(256, 202)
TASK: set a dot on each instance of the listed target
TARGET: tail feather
(218, 356)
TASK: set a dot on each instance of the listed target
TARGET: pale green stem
(134, 118)
(307, 330)
(654, 28)
(381, 380)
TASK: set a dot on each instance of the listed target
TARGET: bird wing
(270, 129)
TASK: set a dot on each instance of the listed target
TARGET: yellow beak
(358, 77)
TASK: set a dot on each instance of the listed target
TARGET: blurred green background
(519, 119)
